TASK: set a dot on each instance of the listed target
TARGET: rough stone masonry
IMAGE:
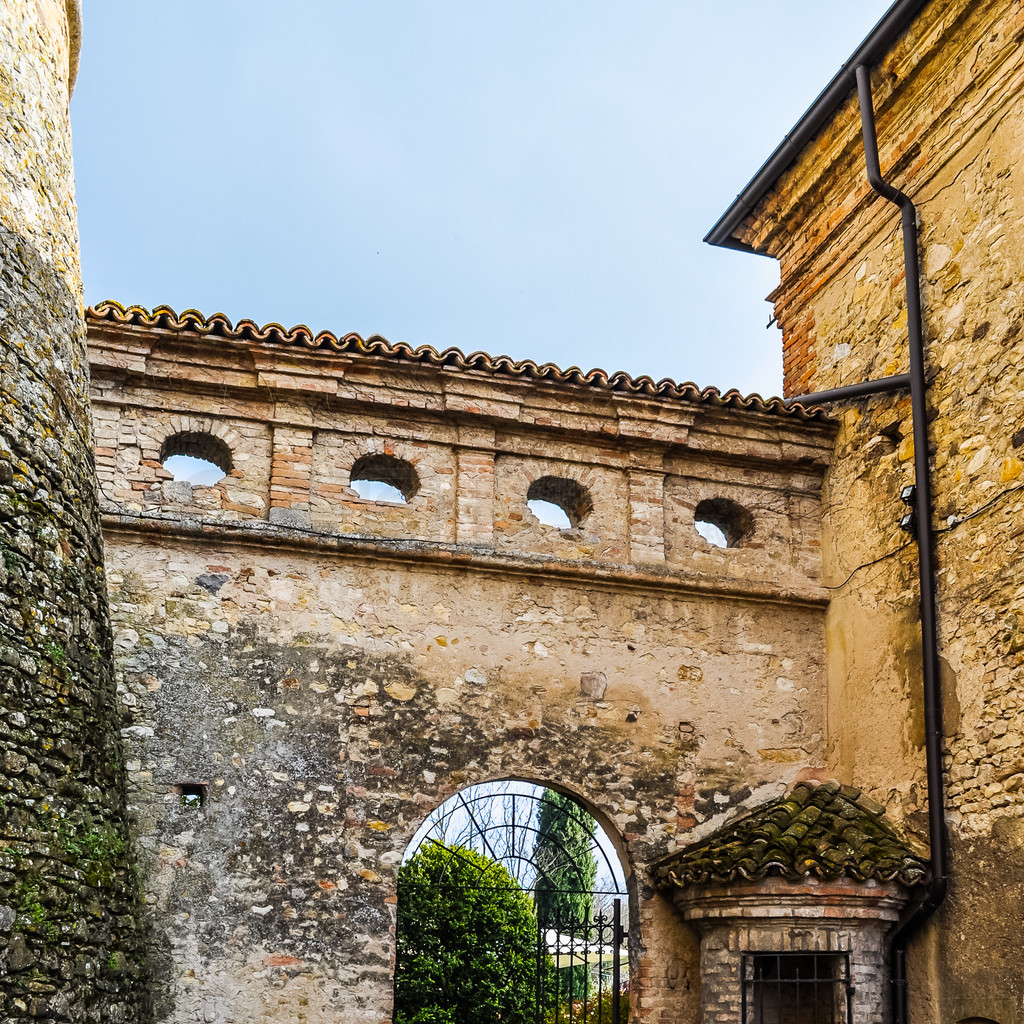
(951, 130)
(69, 939)
(304, 673)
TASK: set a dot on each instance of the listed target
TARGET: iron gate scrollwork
(596, 943)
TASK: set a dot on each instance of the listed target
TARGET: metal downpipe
(916, 915)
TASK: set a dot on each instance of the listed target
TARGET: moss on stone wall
(70, 935)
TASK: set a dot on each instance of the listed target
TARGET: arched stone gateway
(512, 903)
(331, 668)
(307, 670)
(522, 826)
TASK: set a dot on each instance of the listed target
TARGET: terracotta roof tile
(827, 830)
(218, 325)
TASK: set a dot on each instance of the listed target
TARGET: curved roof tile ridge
(825, 830)
(219, 325)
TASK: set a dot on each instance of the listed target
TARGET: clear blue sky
(531, 178)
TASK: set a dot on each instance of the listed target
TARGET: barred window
(797, 988)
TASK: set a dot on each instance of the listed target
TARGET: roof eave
(876, 44)
(111, 315)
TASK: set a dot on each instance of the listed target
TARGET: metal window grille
(797, 988)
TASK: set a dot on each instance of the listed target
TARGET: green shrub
(597, 1010)
(467, 950)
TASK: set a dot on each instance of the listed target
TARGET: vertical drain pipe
(938, 863)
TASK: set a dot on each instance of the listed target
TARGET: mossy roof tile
(826, 830)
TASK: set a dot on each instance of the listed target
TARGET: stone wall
(69, 949)
(330, 669)
(951, 130)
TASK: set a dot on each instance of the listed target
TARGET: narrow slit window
(192, 795)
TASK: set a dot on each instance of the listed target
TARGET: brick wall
(775, 916)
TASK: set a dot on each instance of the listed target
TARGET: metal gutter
(912, 921)
(855, 75)
(871, 50)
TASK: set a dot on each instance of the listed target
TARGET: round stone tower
(69, 923)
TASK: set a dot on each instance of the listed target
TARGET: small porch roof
(827, 831)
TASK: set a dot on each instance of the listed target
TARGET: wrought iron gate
(583, 969)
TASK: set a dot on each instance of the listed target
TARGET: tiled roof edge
(906, 874)
(899, 862)
(110, 312)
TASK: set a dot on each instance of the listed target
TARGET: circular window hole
(378, 490)
(559, 502)
(711, 533)
(722, 522)
(384, 478)
(198, 472)
(550, 514)
(196, 458)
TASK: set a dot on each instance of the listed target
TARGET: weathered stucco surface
(333, 670)
(951, 130)
(68, 942)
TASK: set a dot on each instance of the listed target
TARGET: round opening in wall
(549, 514)
(384, 478)
(711, 533)
(196, 458)
(559, 502)
(722, 523)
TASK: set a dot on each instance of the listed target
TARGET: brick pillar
(475, 487)
(646, 516)
(291, 470)
(69, 914)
